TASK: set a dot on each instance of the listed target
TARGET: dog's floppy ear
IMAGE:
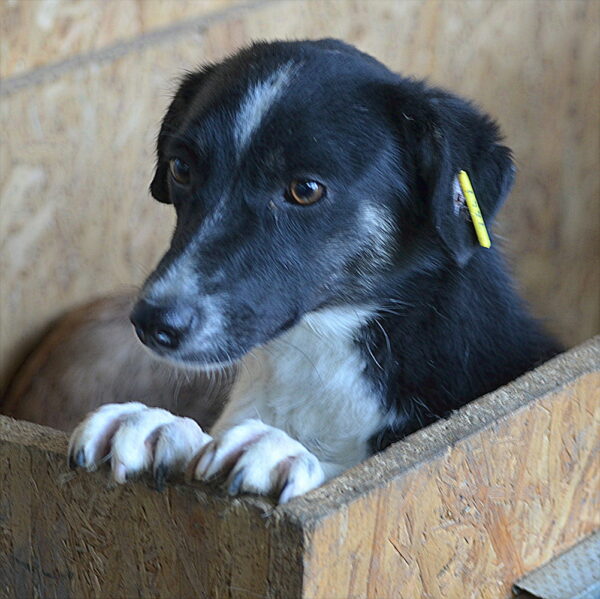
(188, 87)
(452, 136)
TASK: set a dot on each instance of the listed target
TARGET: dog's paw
(135, 438)
(260, 459)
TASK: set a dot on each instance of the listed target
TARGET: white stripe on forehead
(259, 99)
(178, 280)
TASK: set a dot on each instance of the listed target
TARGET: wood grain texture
(65, 535)
(458, 510)
(36, 33)
(77, 219)
(77, 150)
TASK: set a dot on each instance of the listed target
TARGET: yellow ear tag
(473, 206)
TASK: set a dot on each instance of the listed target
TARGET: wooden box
(460, 509)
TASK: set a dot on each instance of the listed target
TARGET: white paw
(135, 439)
(261, 459)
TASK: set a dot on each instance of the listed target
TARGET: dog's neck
(310, 382)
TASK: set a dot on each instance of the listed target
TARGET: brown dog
(92, 357)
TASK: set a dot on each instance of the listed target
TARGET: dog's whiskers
(373, 356)
(386, 337)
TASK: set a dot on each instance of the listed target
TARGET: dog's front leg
(262, 459)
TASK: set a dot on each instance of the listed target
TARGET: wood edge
(46, 439)
(28, 434)
(439, 438)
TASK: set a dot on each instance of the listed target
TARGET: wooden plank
(460, 509)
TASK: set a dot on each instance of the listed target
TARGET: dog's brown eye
(180, 171)
(305, 192)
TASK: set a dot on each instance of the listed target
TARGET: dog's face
(304, 175)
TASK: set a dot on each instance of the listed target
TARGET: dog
(323, 244)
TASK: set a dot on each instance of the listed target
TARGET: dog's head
(305, 175)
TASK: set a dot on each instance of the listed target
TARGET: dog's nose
(161, 326)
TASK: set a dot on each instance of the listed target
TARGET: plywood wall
(85, 85)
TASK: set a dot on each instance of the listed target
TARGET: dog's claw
(77, 460)
(120, 473)
(236, 482)
(286, 491)
(207, 456)
(160, 476)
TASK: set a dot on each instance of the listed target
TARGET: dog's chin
(198, 361)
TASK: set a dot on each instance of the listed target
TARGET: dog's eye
(180, 171)
(305, 192)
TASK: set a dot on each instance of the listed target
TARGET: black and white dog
(322, 244)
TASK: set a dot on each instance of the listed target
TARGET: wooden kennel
(460, 509)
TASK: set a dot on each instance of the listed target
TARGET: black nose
(161, 326)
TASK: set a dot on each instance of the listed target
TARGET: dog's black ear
(452, 135)
(188, 88)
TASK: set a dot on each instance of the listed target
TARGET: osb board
(37, 33)
(68, 536)
(77, 220)
(77, 150)
(460, 509)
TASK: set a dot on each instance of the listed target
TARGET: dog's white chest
(310, 382)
